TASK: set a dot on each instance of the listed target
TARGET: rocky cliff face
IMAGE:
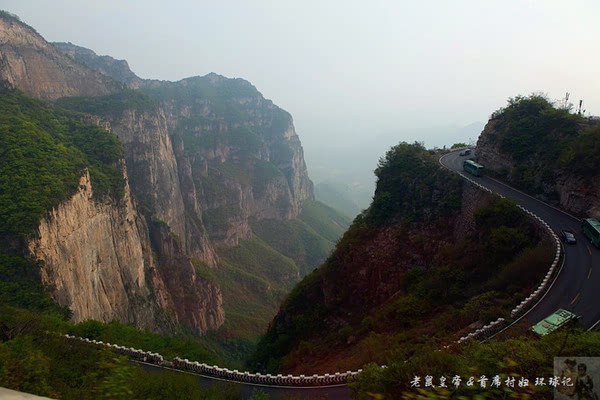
(97, 256)
(194, 301)
(154, 175)
(117, 69)
(203, 157)
(97, 260)
(36, 67)
(93, 258)
(238, 154)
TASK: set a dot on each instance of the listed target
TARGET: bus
(591, 229)
(553, 321)
(473, 168)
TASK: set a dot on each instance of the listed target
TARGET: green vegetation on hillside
(524, 357)
(110, 105)
(307, 240)
(43, 152)
(36, 361)
(453, 282)
(325, 220)
(411, 186)
(581, 153)
(20, 286)
(535, 134)
(256, 275)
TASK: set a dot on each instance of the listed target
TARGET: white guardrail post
(336, 378)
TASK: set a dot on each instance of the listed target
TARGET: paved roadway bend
(577, 287)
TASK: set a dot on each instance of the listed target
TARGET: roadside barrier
(338, 378)
(539, 292)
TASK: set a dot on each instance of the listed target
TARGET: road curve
(577, 287)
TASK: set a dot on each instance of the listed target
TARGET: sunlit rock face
(205, 158)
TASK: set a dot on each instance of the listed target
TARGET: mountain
(430, 259)
(117, 69)
(36, 67)
(206, 164)
(546, 151)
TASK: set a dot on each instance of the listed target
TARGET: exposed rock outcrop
(107, 65)
(488, 149)
(36, 67)
(238, 154)
(203, 156)
(93, 258)
(194, 301)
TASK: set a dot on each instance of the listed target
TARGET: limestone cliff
(36, 67)
(194, 301)
(93, 258)
(154, 176)
(117, 69)
(204, 156)
(238, 154)
(96, 261)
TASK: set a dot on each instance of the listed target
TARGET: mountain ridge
(202, 157)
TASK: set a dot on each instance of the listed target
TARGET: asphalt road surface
(577, 287)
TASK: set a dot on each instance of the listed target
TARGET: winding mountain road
(577, 287)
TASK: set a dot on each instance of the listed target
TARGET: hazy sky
(351, 71)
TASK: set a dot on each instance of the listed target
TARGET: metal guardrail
(335, 379)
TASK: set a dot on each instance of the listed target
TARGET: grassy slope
(405, 279)
(256, 275)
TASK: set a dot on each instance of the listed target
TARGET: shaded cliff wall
(154, 175)
(238, 154)
(195, 302)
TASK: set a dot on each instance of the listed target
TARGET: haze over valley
(254, 200)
